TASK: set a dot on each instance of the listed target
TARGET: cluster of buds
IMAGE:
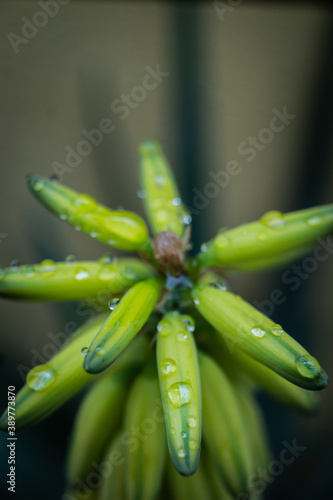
(174, 365)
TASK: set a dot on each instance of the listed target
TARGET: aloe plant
(175, 357)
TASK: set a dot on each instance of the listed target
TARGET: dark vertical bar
(186, 51)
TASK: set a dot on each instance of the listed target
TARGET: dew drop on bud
(141, 194)
(189, 322)
(277, 330)
(315, 220)
(168, 366)
(220, 285)
(107, 258)
(84, 351)
(113, 303)
(181, 453)
(180, 393)
(15, 264)
(273, 220)
(30, 272)
(182, 337)
(81, 273)
(221, 242)
(70, 259)
(47, 268)
(176, 202)
(258, 331)
(183, 434)
(100, 350)
(192, 422)
(40, 377)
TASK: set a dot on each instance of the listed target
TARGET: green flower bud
(51, 385)
(274, 240)
(126, 320)
(118, 228)
(99, 416)
(144, 462)
(72, 280)
(163, 205)
(254, 333)
(180, 389)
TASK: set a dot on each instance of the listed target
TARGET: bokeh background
(227, 71)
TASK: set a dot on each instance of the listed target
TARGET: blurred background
(219, 73)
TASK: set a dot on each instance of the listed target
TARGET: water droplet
(63, 216)
(37, 184)
(183, 434)
(47, 268)
(164, 327)
(262, 236)
(168, 366)
(142, 194)
(182, 337)
(30, 272)
(106, 273)
(196, 301)
(189, 322)
(54, 177)
(70, 259)
(40, 377)
(277, 330)
(159, 180)
(220, 285)
(192, 422)
(172, 430)
(273, 220)
(113, 303)
(186, 219)
(181, 453)
(15, 264)
(84, 351)
(306, 366)
(107, 258)
(81, 273)
(176, 202)
(192, 444)
(180, 393)
(129, 273)
(221, 242)
(258, 331)
(85, 203)
(204, 247)
(315, 220)
(99, 350)
(94, 233)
